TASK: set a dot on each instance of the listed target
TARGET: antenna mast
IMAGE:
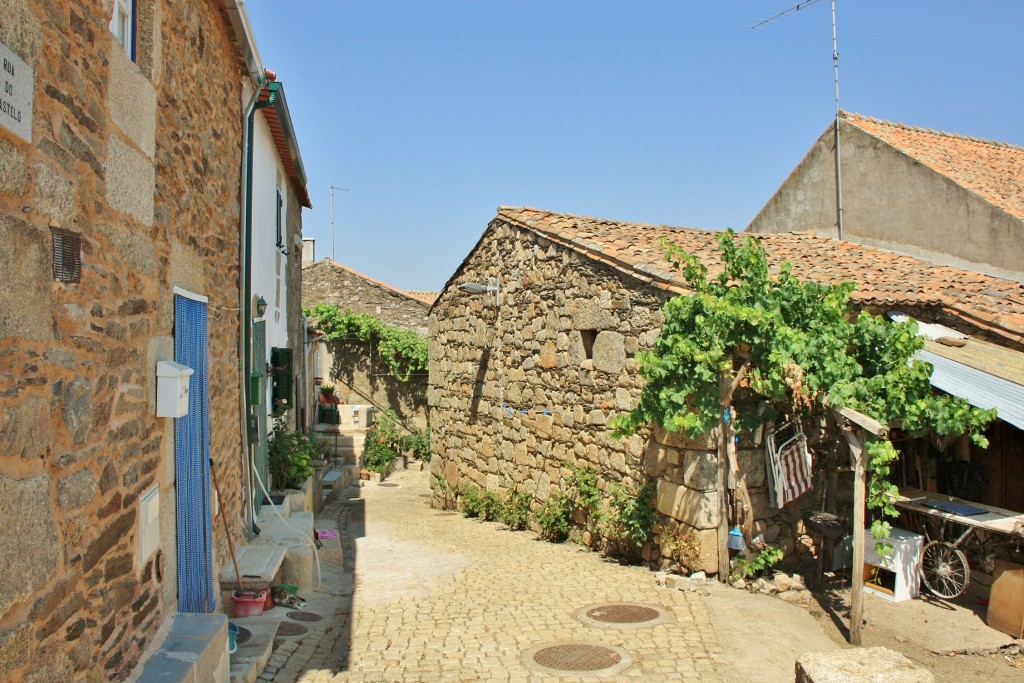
(333, 188)
(835, 67)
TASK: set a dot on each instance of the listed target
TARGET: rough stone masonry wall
(323, 282)
(142, 160)
(354, 365)
(514, 399)
(513, 396)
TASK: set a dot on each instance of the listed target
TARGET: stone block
(20, 30)
(29, 550)
(131, 181)
(76, 490)
(54, 195)
(20, 432)
(131, 99)
(13, 168)
(135, 250)
(25, 301)
(195, 650)
(875, 664)
(694, 508)
(15, 648)
(77, 412)
(751, 462)
(680, 440)
(609, 352)
(700, 470)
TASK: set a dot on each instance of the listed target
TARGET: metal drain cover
(623, 615)
(290, 628)
(578, 658)
(387, 484)
(243, 636)
(304, 616)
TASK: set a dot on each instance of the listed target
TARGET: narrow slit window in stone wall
(588, 337)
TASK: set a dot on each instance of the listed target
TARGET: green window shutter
(281, 360)
(280, 232)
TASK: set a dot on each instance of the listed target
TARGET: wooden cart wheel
(944, 570)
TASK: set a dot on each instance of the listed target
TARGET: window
(280, 235)
(122, 25)
(588, 337)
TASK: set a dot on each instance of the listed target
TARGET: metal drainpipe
(246, 253)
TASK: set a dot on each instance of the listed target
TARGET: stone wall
(519, 391)
(353, 365)
(142, 160)
(327, 282)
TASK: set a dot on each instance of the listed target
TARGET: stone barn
(533, 352)
(353, 365)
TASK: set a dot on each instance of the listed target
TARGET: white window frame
(122, 25)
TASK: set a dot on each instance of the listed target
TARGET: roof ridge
(850, 116)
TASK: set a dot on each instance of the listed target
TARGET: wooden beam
(856, 443)
(866, 423)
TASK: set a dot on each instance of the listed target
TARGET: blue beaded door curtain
(192, 460)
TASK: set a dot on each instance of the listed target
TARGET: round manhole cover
(243, 636)
(625, 615)
(578, 658)
(387, 484)
(290, 628)
(304, 616)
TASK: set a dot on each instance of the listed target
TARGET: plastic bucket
(247, 603)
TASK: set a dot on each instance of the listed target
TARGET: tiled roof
(288, 154)
(992, 170)
(426, 297)
(883, 278)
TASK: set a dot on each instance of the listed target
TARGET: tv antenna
(835, 68)
(341, 189)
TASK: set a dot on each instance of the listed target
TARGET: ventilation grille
(67, 255)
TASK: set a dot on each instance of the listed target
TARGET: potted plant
(289, 456)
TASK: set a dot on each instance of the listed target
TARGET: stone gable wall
(143, 161)
(352, 365)
(514, 398)
(322, 282)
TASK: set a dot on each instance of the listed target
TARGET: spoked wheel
(944, 570)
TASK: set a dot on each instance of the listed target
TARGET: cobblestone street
(437, 597)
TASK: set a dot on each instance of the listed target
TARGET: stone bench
(854, 665)
(259, 565)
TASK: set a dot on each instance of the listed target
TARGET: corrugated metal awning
(978, 388)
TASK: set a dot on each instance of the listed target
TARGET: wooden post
(724, 382)
(859, 496)
(849, 420)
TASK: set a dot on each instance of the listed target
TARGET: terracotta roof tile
(992, 170)
(883, 277)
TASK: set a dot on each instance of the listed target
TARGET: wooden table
(944, 567)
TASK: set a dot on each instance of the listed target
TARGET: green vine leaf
(804, 344)
(403, 351)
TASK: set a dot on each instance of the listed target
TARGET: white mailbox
(172, 380)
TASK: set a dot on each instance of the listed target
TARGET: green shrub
(628, 518)
(748, 565)
(379, 455)
(555, 517)
(683, 549)
(470, 501)
(419, 443)
(516, 511)
(288, 455)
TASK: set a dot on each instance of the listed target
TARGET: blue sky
(434, 113)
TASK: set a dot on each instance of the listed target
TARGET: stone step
(195, 649)
(295, 536)
(251, 657)
(259, 565)
(345, 476)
